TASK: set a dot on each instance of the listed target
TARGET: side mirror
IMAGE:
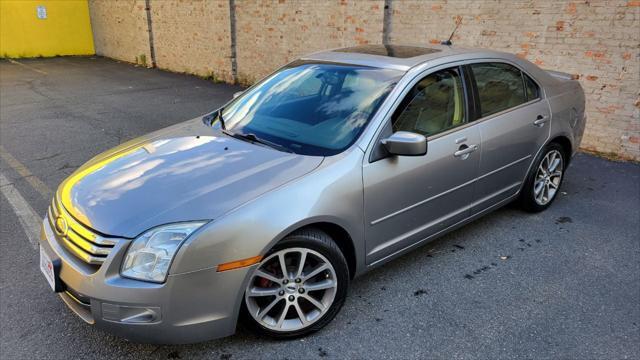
(406, 144)
(236, 94)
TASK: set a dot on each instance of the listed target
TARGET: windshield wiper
(222, 125)
(252, 138)
(210, 119)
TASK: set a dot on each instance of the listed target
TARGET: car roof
(398, 57)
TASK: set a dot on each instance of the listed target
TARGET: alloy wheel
(291, 289)
(548, 177)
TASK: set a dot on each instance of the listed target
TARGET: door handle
(541, 120)
(465, 150)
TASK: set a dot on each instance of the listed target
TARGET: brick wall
(272, 33)
(120, 29)
(597, 40)
(193, 37)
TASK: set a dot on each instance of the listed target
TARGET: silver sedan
(265, 209)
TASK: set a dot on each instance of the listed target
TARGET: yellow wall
(65, 31)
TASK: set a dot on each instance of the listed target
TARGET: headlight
(149, 256)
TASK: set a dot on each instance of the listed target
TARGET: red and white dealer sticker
(46, 266)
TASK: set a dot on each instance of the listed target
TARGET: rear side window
(500, 87)
(532, 89)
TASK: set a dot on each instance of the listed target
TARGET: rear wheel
(544, 181)
(298, 288)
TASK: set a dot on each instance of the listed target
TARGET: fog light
(130, 314)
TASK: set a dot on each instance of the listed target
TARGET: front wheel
(543, 183)
(298, 288)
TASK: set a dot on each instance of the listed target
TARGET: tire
(532, 197)
(269, 294)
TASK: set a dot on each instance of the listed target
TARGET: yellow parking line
(28, 218)
(33, 180)
(28, 67)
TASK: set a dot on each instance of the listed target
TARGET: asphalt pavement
(564, 283)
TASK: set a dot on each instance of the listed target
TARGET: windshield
(311, 108)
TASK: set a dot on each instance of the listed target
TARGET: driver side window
(435, 104)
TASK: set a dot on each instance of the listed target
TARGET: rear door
(514, 123)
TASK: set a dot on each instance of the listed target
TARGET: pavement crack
(47, 157)
(32, 87)
(66, 166)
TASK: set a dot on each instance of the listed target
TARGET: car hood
(182, 173)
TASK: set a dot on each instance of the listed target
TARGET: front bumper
(187, 308)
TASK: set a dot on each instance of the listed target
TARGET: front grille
(81, 299)
(81, 241)
(78, 303)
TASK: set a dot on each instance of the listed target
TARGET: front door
(409, 199)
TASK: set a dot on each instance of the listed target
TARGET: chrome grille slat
(80, 240)
(53, 208)
(86, 257)
(83, 231)
(86, 245)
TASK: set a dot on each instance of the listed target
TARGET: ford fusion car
(266, 209)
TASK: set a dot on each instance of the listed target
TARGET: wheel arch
(342, 238)
(563, 140)
(337, 232)
(566, 144)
